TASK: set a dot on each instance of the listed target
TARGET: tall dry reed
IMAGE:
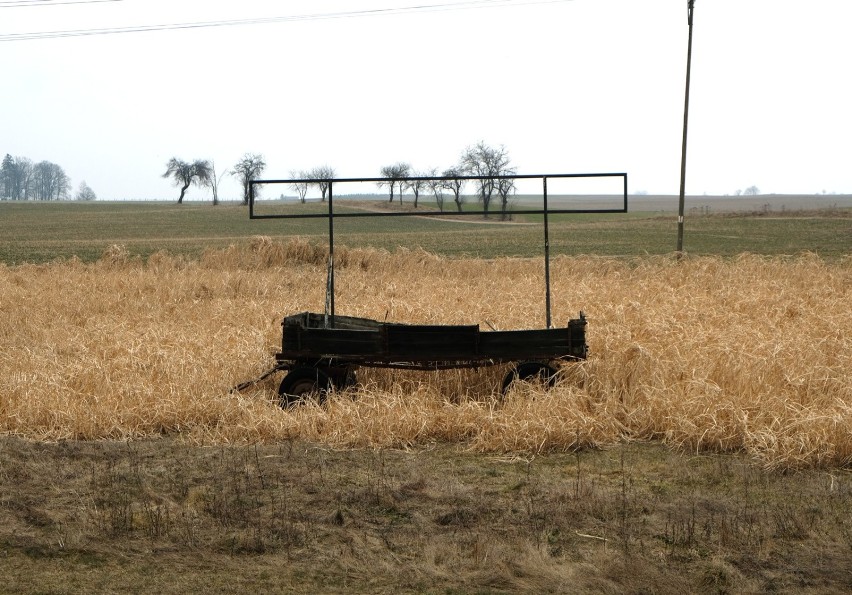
(752, 354)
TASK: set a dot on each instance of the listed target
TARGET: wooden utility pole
(690, 8)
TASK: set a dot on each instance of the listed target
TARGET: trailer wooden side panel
(528, 344)
(421, 342)
(306, 337)
(343, 343)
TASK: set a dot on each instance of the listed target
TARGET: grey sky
(566, 86)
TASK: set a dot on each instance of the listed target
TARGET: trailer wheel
(530, 372)
(301, 383)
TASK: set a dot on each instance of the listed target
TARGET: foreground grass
(708, 354)
(42, 232)
(161, 516)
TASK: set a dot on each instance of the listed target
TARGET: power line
(43, 3)
(462, 5)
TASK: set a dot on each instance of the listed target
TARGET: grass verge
(163, 516)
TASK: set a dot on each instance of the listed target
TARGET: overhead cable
(44, 3)
(464, 5)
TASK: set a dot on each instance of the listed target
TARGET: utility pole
(690, 8)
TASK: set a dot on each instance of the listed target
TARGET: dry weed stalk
(749, 354)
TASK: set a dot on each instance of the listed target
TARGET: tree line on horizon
(490, 164)
(22, 179)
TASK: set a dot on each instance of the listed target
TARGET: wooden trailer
(320, 352)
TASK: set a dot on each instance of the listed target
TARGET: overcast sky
(566, 86)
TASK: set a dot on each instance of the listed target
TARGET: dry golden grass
(752, 354)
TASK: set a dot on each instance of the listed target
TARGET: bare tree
(487, 163)
(247, 169)
(752, 191)
(505, 189)
(393, 175)
(25, 173)
(50, 181)
(322, 176)
(301, 187)
(437, 187)
(62, 188)
(43, 180)
(85, 193)
(199, 173)
(454, 183)
(214, 182)
(8, 175)
(416, 186)
(182, 173)
(17, 174)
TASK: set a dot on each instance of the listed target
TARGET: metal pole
(330, 289)
(690, 8)
(546, 256)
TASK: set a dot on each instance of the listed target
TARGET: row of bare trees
(21, 179)
(202, 173)
(489, 164)
(318, 176)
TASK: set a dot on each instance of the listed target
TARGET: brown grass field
(749, 356)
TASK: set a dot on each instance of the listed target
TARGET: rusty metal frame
(331, 215)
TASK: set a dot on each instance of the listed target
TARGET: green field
(41, 232)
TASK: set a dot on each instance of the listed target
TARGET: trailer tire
(301, 383)
(530, 372)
